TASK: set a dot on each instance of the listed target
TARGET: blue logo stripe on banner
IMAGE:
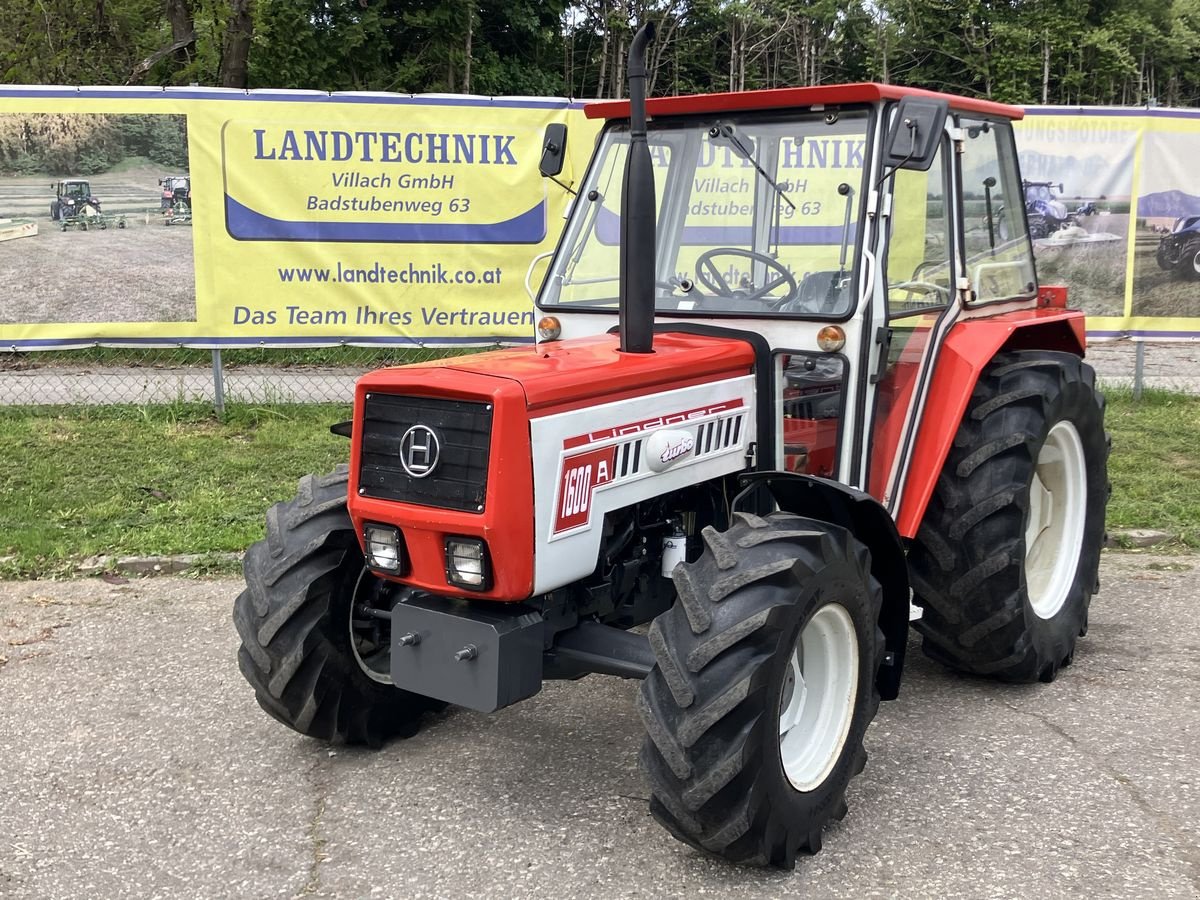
(245, 224)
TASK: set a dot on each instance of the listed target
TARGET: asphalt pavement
(135, 762)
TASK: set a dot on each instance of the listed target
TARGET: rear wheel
(763, 688)
(299, 647)
(1006, 561)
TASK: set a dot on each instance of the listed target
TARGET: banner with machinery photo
(211, 218)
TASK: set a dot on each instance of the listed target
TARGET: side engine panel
(591, 461)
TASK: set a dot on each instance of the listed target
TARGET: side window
(998, 255)
(810, 399)
(918, 268)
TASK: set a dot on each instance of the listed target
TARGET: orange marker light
(831, 338)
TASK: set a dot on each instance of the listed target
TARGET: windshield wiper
(726, 132)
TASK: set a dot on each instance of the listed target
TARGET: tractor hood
(448, 451)
(582, 370)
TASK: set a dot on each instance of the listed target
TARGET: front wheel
(763, 687)
(1007, 559)
(1163, 257)
(299, 649)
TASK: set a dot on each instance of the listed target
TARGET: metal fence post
(1139, 366)
(219, 384)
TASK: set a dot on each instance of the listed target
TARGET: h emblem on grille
(420, 451)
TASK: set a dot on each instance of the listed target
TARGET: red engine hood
(522, 384)
(569, 374)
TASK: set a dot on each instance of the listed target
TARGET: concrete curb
(1137, 538)
(145, 566)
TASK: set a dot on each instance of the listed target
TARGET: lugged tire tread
(294, 652)
(723, 552)
(701, 759)
(672, 672)
(967, 563)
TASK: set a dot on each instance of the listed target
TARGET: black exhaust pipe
(637, 212)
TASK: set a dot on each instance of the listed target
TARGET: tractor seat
(821, 293)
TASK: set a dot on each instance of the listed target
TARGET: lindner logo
(420, 451)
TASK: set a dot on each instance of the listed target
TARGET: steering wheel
(709, 275)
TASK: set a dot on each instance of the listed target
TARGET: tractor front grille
(461, 432)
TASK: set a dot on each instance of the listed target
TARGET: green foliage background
(1024, 51)
(66, 144)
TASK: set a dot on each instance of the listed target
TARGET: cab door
(956, 243)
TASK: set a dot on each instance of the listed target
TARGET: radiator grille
(463, 430)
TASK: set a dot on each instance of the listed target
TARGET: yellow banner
(1114, 215)
(213, 218)
(281, 218)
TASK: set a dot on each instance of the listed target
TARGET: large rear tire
(763, 688)
(294, 622)
(1006, 561)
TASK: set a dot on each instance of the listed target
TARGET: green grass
(172, 479)
(275, 357)
(1155, 463)
(153, 480)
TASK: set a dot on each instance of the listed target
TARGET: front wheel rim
(816, 705)
(1054, 529)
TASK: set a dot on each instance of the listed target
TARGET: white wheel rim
(816, 705)
(1054, 529)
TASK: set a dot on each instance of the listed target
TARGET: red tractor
(823, 397)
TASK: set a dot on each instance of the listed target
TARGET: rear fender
(968, 348)
(865, 517)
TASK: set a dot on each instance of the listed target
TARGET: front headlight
(384, 550)
(467, 563)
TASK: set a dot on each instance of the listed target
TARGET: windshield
(756, 214)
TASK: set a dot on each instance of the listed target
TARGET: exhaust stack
(637, 213)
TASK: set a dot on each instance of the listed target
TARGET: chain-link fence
(103, 375)
(99, 376)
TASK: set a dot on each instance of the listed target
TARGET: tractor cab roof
(785, 98)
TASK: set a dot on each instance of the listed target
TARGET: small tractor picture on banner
(176, 203)
(795, 386)
(75, 206)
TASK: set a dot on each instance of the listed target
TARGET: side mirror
(554, 149)
(916, 129)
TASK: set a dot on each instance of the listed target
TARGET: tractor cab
(73, 197)
(848, 227)
(176, 190)
(74, 190)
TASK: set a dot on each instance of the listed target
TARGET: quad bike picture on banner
(99, 190)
